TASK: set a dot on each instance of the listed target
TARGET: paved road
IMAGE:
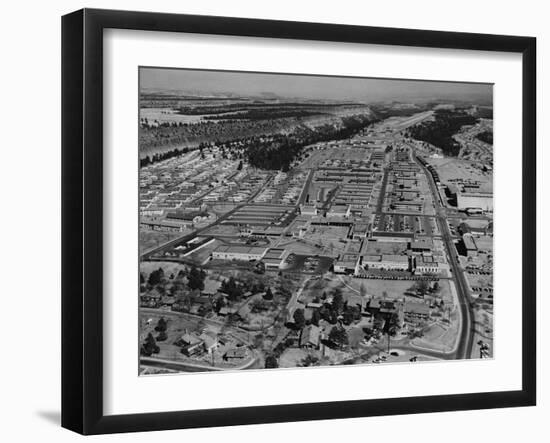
(382, 195)
(466, 338)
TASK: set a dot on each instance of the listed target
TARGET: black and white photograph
(264, 222)
(293, 221)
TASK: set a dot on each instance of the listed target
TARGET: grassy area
(168, 267)
(152, 239)
(439, 337)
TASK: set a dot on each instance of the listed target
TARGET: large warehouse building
(474, 200)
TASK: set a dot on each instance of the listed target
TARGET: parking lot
(414, 224)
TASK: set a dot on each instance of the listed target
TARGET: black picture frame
(82, 215)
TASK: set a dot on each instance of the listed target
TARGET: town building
(415, 311)
(470, 245)
(236, 252)
(308, 210)
(310, 337)
(421, 245)
(346, 264)
(474, 200)
(387, 262)
(274, 258)
(343, 211)
(426, 264)
(191, 344)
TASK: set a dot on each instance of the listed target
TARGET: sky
(307, 86)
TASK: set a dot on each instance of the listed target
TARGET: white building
(471, 200)
(426, 265)
(308, 210)
(235, 252)
(387, 262)
(339, 211)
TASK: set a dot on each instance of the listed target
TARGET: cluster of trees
(149, 160)
(263, 106)
(159, 281)
(195, 278)
(440, 131)
(486, 136)
(278, 151)
(264, 114)
(235, 289)
(384, 111)
(422, 287)
(338, 336)
(155, 277)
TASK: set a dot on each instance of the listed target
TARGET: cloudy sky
(306, 86)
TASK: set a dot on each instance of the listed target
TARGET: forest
(485, 136)
(440, 131)
(279, 151)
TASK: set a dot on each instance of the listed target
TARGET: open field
(153, 239)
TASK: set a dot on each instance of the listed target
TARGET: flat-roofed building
(308, 210)
(474, 200)
(388, 262)
(339, 211)
(415, 311)
(237, 252)
(426, 265)
(469, 244)
(346, 264)
(310, 337)
(422, 245)
(274, 258)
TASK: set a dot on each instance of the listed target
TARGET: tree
(149, 347)
(156, 277)
(299, 318)
(337, 301)
(362, 290)
(271, 362)
(422, 287)
(391, 327)
(195, 279)
(338, 336)
(162, 336)
(315, 317)
(161, 325)
(268, 294)
(350, 314)
(230, 287)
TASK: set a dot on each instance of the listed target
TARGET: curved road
(466, 339)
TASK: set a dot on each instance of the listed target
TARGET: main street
(466, 338)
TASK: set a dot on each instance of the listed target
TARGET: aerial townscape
(284, 225)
